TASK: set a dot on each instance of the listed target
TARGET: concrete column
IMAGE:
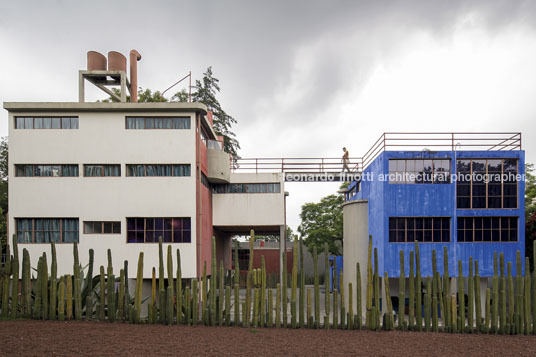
(355, 235)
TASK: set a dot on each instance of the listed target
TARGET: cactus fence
(509, 301)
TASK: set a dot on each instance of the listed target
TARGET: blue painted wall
(405, 200)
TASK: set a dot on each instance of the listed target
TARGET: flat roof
(105, 107)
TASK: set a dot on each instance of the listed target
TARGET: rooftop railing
(392, 141)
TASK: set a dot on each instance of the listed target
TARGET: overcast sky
(303, 78)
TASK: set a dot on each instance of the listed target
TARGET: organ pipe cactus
(15, 280)
(228, 305)
(471, 300)
(69, 297)
(169, 304)
(526, 296)
(376, 289)
(236, 287)
(502, 297)
(461, 298)
(61, 299)
(44, 289)
(102, 292)
(511, 300)
(27, 284)
(277, 306)
(368, 312)
(418, 289)
(139, 281)
(446, 287)
(294, 284)
(36, 287)
(195, 303)
(453, 313)
(77, 284)
(533, 286)
(519, 295)
(434, 300)
(390, 316)
(317, 288)
(284, 290)
(110, 289)
(335, 306)
(152, 306)
(204, 294)
(178, 301)
(120, 298)
(170, 289)
(326, 280)
(89, 289)
(487, 319)
(427, 303)
(213, 284)
(302, 288)
(221, 293)
(401, 293)
(478, 302)
(187, 305)
(161, 284)
(411, 280)
(495, 296)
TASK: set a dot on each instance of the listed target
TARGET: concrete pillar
(355, 235)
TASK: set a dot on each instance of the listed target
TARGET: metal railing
(391, 141)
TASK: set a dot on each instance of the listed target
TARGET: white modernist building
(120, 175)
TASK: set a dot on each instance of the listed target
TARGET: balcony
(219, 163)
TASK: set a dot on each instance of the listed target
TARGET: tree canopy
(322, 223)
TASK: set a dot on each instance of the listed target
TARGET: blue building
(467, 196)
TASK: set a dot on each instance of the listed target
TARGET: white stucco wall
(255, 209)
(102, 138)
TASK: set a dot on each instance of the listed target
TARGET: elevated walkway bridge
(329, 169)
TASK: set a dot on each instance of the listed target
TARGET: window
(420, 229)
(487, 229)
(46, 122)
(102, 227)
(158, 122)
(204, 181)
(158, 170)
(415, 171)
(248, 188)
(54, 170)
(243, 259)
(486, 183)
(94, 170)
(149, 230)
(46, 230)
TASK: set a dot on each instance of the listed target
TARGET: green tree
(530, 210)
(322, 223)
(291, 236)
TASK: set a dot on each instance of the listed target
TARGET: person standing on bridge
(345, 160)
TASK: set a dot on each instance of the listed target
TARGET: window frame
(127, 172)
(102, 231)
(483, 229)
(423, 229)
(61, 122)
(486, 184)
(154, 118)
(62, 231)
(244, 188)
(35, 166)
(154, 230)
(415, 172)
(102, 166)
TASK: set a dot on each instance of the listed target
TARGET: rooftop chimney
(134, 58)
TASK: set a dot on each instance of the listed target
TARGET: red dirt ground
(94, 338)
